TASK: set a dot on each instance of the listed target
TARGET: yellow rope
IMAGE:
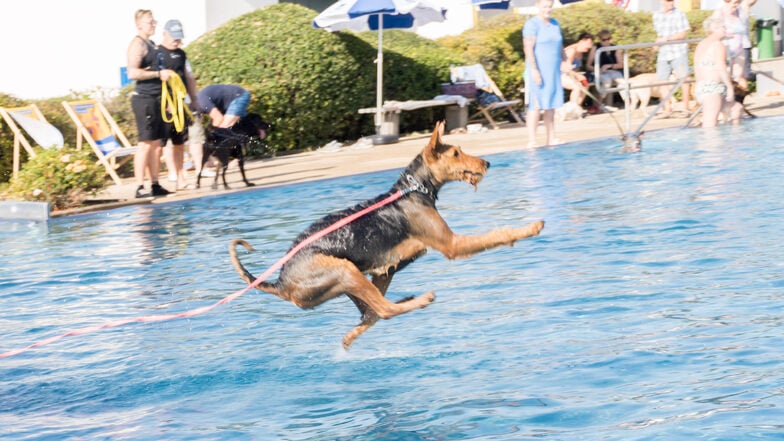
(175, 100)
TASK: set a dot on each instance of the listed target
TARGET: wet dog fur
(228, 144)
(384, 241)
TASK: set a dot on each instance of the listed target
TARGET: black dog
(225, 144)
(740, 96)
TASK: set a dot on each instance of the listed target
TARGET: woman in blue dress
(543, 47)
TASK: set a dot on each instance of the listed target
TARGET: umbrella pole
(379, 73)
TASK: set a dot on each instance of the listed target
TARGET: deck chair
(95, 125)
(32, 122)
(477, 74)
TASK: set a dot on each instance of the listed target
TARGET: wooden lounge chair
(95, 125)
(477, 74)
(29, 119)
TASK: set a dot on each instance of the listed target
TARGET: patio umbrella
(504, 4)
(377, 15)
(491, 4)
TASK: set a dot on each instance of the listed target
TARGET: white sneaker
(208, 173)
(172, 177)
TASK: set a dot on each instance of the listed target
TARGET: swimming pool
(649, 308)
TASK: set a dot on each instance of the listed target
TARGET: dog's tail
(244, 273)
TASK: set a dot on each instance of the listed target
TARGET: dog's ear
(434, 147)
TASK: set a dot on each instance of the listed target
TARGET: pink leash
(198, 311)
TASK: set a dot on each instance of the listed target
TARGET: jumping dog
(384, 241)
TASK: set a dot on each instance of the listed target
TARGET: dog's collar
(414, 185)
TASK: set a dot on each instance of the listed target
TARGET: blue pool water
(651, 307)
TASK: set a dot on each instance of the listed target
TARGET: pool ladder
(627, 88)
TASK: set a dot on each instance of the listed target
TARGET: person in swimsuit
(713, 85)
(572, 76)
(735, 14)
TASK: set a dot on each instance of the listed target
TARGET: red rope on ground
(198, 311)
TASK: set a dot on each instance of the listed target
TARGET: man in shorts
(146, 104)
(671, 24)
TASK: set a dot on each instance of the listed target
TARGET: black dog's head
(739, 92)
(249, 126)
(252, 125)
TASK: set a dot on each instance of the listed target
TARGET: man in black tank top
(172, 57)
(146, 104)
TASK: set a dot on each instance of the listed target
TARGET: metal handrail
(626, 48)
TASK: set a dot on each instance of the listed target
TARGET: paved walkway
(358, 158)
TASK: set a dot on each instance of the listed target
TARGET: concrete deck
(361, 158)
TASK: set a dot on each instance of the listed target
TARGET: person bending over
(225, 104)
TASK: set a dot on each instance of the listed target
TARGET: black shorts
(147, 110)
(177, 138)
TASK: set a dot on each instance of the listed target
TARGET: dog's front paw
(250, 184)
(533, 229)
(530, 230)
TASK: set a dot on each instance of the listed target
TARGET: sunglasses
(607, 39)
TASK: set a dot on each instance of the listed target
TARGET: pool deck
(358, 158)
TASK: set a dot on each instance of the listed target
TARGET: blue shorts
(665, 68)
(239, 106)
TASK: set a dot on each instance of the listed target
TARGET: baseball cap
(174, 28)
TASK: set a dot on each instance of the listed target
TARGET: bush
(62, 177)
(7, 140)
(310, 83)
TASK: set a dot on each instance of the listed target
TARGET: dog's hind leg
(369, 317)
(311, 281)
(215, 180)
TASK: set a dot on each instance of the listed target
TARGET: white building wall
(217, 12)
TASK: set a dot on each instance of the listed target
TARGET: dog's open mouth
(472, 178)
